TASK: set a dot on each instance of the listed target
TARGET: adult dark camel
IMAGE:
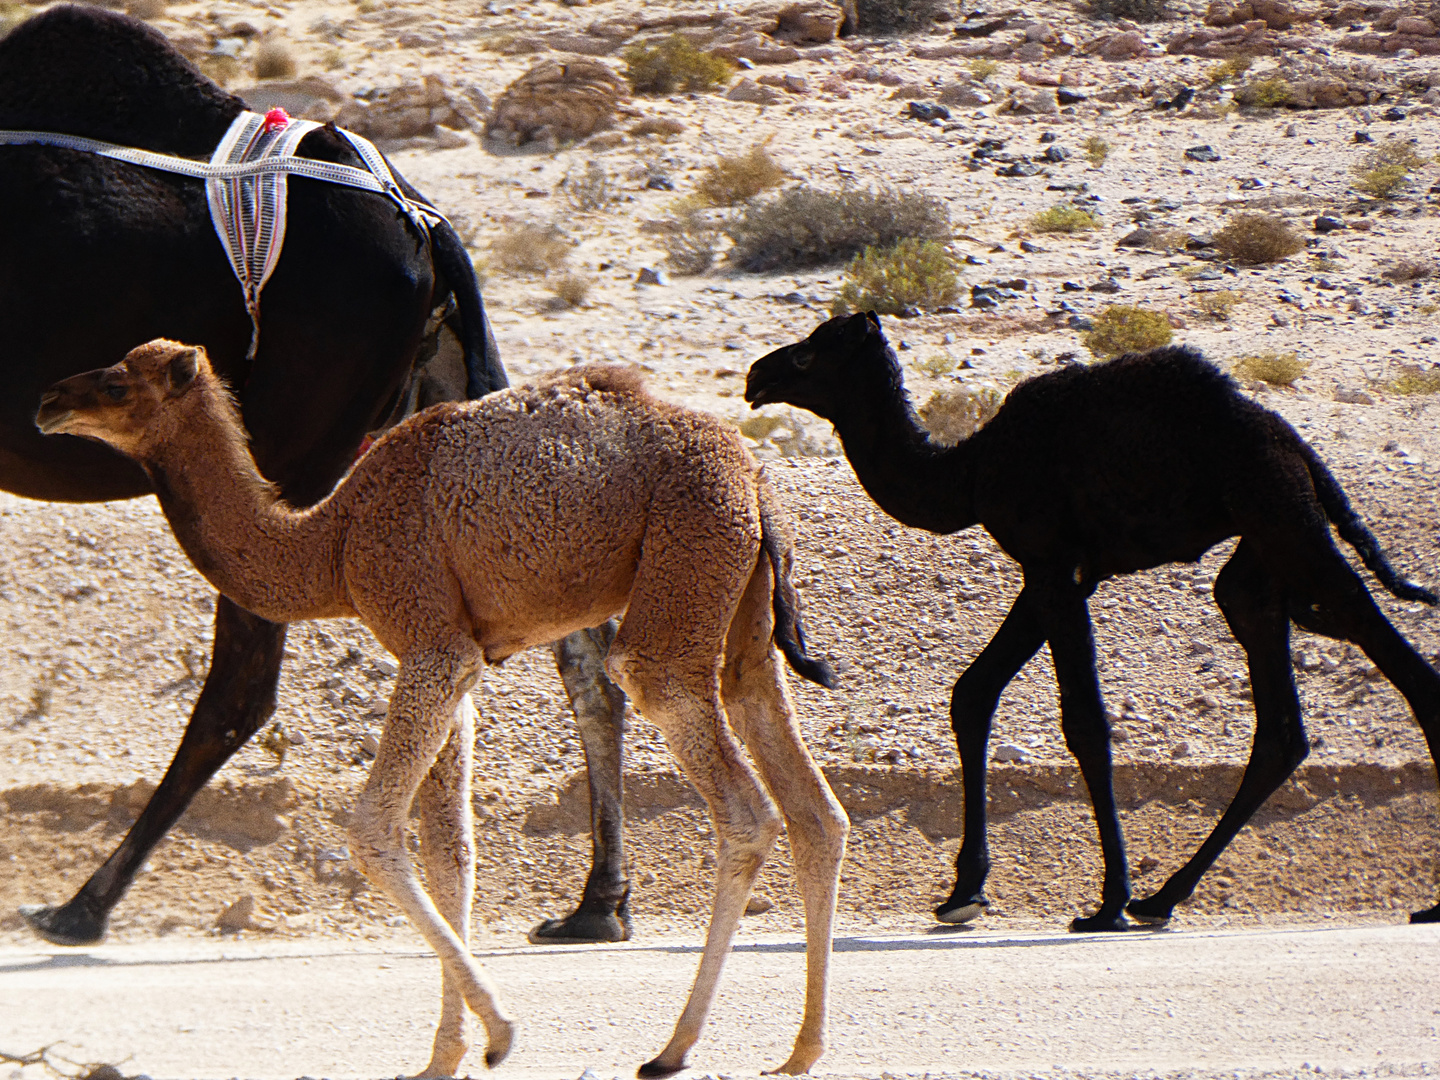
(1091, 472)
(97, 256)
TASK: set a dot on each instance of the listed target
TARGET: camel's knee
(376, 835)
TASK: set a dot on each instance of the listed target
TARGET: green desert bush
(740, 177)
(1414, 379)
(1229, 70)
(1385, 170)
(1271, 367)
(1255, 239)
(907, 277)
(1063, 218)
(674, 64)
(1121, 328)
(1096, 150)
(531, 249)
(1219, 304)
(1270, 92)
(807, 226)
(982, 67)
(954, 413)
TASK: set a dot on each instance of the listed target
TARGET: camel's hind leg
(1254, 605)
(447, 848)
(757, 702)
(667, 659)
(428, 693)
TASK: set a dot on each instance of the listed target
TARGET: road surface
(1188, 1004)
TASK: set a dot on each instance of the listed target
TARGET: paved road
(1191, 1004)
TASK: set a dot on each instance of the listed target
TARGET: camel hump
(82, 70)
(625, 379)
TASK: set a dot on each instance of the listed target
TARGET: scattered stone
(238, 916)
(964, 95)
(1180, 750)
(415, 109)
(1393, 113)
(1348, 396)
(1054, 154)
(1291, 131)
(1031, 248)
(1020, 168)
(758, 905)
(1201, 153)
(919, 110)
(1325, 223)
(1123, 45)
(748, 90)
(1048, 137)
(558, 101)
(1140, 238)
(649, 276)
(1252, 38)
(1010, 754)
(1362, 137)
(810, 21)
(1253, 183)
(1079, 322)
(1179, 101)
(1275, 14)
(1069, 97)
(1109, 285)
(981, 26)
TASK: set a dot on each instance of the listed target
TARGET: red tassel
(276, 118)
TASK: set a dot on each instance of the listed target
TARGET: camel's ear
(181, 372)
(872, 319)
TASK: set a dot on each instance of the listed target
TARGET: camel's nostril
(49, 397)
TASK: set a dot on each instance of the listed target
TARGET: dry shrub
(899, 16)
(689, 238)
(221, 70)
(570, 290)
(1406, 270)
(663, 126)
(12, 15)
(952, 414)
(1271, 367)
(738, 179)
(1121, 328)
(674, 64)
(1385, 170)
(1061, 218)
(790, 432)
(145, 9)
(1229, 70)
(1414, 379)
(907, 277)
(274, 59)
(589, 190)
(1139, 11)
(531, 249)
(1257, 238)
(1219, 304)
(1096, 150)
(806, 226)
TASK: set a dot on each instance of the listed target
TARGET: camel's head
(123, 406)
(818, 373)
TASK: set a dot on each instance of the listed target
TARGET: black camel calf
(1091, 472)
(97, 256)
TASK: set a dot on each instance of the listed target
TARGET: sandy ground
(1306, 1001)
(106, 626)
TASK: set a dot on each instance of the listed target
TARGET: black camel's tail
(1356, 534)
(779, 545)
(484, 373)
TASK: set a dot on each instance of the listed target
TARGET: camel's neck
(914, 481)
(277, 562)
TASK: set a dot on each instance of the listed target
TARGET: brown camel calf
(475, 530)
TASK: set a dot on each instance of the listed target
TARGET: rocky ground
(107, 625)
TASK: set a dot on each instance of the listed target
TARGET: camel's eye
(116, 391)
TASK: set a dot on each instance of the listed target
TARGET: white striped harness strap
(245, 185)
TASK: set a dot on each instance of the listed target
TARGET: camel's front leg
(428, 691)
(236, 700)
(447, 848)
(604, 911)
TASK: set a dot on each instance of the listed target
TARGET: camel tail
(779, 545)
(484, 373)
(1355, 533)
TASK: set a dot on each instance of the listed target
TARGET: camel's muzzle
(53, 412)
(766, 380)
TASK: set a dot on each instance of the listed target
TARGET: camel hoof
(963, 912)
(581, 928)
(658, 1068)
(500, 1043)
(63, 925)
(1099, 924)
(1145, 911)
(1429, 915)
